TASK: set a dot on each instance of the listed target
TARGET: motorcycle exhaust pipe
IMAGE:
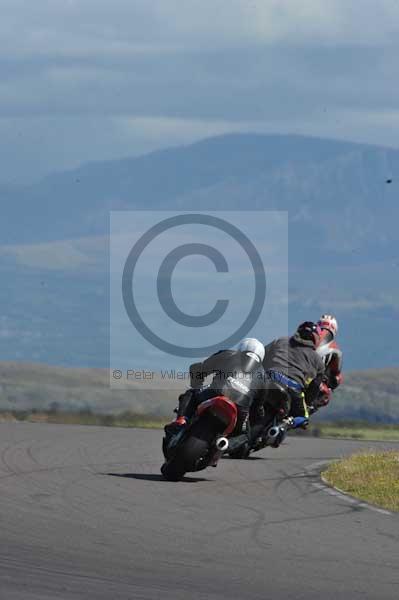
(222, 444)
(272, 435)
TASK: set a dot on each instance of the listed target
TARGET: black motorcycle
(268, 424)
(203, 441)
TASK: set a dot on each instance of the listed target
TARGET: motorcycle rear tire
(240, 453)
(194, 447)
(173, 470)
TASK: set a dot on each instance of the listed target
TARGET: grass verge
(125, 419)
(369, 476)
(356, 431)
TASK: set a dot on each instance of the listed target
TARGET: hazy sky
(83, 80)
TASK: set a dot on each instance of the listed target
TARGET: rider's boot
(186, 407)
(301, 422)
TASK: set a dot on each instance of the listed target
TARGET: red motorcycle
(203, 441)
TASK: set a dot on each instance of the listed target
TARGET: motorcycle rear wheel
(173, 470)
(194, 447)
(240, 453)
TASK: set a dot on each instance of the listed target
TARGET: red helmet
(330, 323)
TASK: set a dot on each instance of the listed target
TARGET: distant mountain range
(342, 201)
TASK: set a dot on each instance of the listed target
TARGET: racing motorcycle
(268, 427)
(203, 441)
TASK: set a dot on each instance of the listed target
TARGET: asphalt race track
(85, 514)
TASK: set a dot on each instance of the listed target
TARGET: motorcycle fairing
(222, 408)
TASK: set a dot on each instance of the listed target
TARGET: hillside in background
(25, 387)
(343, 217)
(371, 395)
(336, 189)
(366, 395)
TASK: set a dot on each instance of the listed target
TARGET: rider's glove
(325, 394)
(335, 381)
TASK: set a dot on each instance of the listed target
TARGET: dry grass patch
(370, 476)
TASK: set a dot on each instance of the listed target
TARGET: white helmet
(328, 322)
(253, 347)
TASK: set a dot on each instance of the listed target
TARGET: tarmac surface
(85, 514)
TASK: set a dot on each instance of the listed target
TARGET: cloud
(176, 71)
(94, 25)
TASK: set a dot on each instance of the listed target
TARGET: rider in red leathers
(331, 354)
